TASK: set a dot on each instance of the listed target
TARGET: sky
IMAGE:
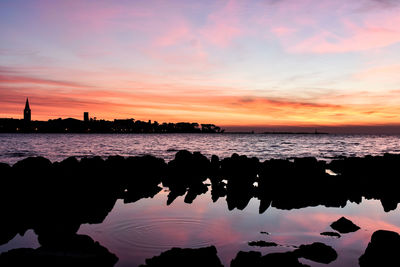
(239, 64)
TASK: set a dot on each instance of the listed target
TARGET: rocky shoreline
(54, 199)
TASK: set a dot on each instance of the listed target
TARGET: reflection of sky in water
(148, 227)
(143, 229)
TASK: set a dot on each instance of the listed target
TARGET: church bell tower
(27, 112)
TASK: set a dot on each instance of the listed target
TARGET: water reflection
(230, 231)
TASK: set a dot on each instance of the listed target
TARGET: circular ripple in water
(164, 233)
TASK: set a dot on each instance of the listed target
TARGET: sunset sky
(258, 63)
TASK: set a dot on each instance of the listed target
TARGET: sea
(144, 229)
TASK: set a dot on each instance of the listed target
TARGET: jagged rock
(382, 250)
(186, 173)
(344, 226)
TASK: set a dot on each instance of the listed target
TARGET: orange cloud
(176, 101)
(220, 109)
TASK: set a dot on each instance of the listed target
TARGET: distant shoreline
(71, 125)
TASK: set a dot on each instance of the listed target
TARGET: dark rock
(82, 251)
(195, 190)
(262, 243)
(218, 188)
(382, 250)
(317, 252)
(288, 259)
(389, 204)
(145, 175)
(344, 226)
(254, 259)
(183, 257)
(186, 172)
(333, 234)
(241, 174)
(244, 259)
(264, 205)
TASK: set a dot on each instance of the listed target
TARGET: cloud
(223, 25)
(5, 78)
(385, 73)
(304, 27)
(195, 106)
(358, 39)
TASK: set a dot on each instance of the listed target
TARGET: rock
(177, 257)
(287, 259)
(344, 226)
(82, 252)
(382, 250)
(244, 259)
(186, 172)
(241, 174)
(317, 252)
(254, 259)
(333, 234)
(262, 243)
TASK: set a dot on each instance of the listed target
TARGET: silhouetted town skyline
(92, 125)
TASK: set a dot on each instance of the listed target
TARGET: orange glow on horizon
(220, 110)
(230, 63)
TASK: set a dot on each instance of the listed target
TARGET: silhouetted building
(86, 116)
(92, 125)
(27, 112)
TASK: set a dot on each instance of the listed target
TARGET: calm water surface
(143, 229)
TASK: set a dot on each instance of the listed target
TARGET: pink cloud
(223, 25)
(176, 33)
(332, 26)
(359, 39)
(282, 31)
